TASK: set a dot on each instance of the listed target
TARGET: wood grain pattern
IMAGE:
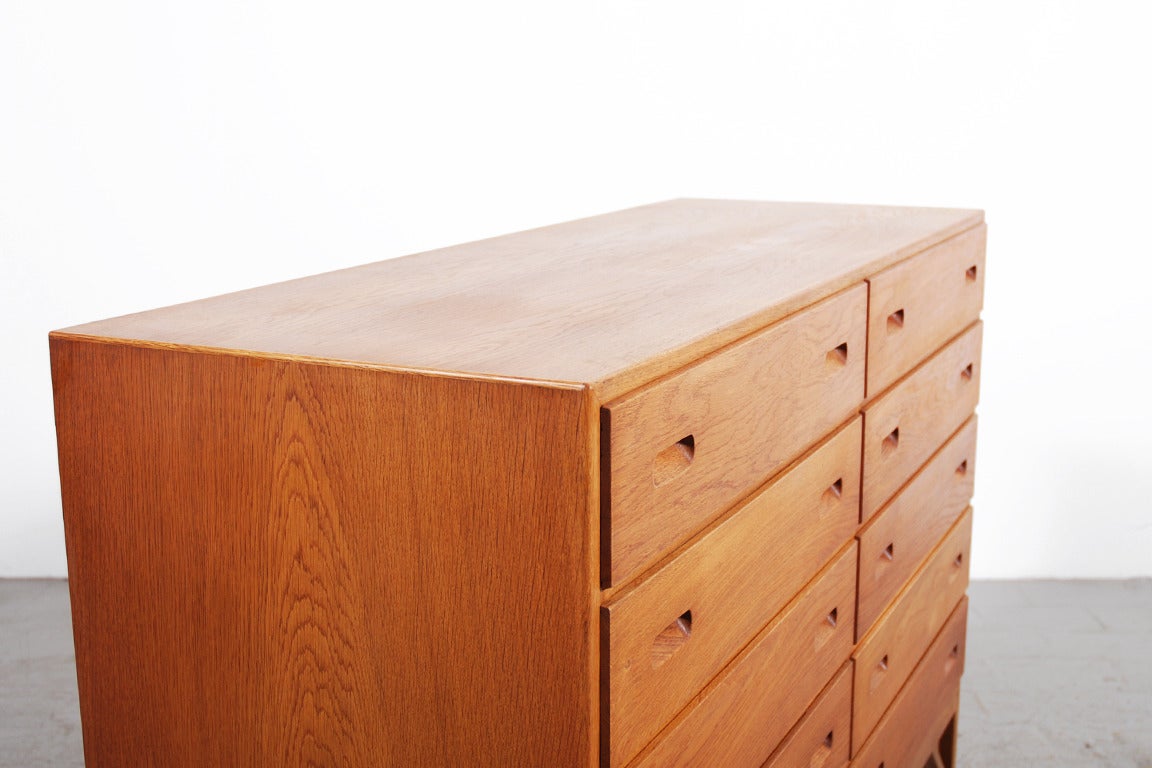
(907, 734)
(820, 739)
(583, 495)
(282, 564)
(909, 422)
(896, 541)
(613, 301)
(731, 582)
(748, 410)
(918, 304)
(740, 719)
(887, 655)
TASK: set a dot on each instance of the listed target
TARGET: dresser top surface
(609, 301)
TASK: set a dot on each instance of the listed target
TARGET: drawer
(913, 419)
(915, 727)
(920, 303)
(819, 740)
(671, 633)
(898, 538)
(743, 715)
(889, 653)
(678, 452)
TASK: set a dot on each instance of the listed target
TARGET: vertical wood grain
(279, 563)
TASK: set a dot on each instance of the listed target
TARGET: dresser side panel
(278, 563)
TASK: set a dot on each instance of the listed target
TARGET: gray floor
(1058, 674)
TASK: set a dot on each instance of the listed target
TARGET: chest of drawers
(685, 484)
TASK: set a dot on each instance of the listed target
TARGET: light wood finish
(613, 301)
(588, 495)
(909, 422)
(887, 655)
(283, 564)
(918, 304)
(819, 739)
(896, 541)
(673, 632)
(908, 733)
(745, 412)
(739, 719)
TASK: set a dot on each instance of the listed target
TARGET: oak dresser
(681, 485)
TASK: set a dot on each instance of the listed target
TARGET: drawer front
(740, 719)
(920, 303)
(820, 740)
(910, 732)
(671, 633)
(889, 653)
(680, 451)
(896, 540)
(909, 423)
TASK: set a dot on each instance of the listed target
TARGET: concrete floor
(1058, 674)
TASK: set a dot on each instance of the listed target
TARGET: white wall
(154, 151)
